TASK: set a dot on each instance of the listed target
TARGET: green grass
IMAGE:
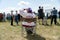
(8, 32)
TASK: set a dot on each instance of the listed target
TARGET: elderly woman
(28, 20)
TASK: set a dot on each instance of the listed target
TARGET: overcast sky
(7, 5)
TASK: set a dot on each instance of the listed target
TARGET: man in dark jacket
(41, 14)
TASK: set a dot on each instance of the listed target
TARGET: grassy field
(43, 32)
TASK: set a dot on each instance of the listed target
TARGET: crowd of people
(28, 17)
(41, 15)
(54, 12)
(15, 17)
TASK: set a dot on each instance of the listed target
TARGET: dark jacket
(40, 13)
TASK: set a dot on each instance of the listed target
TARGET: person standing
(54, 16)
(12, 18)
(16, 18)
(19, 17)
(4, 17)
(41, 14)
(59, 15)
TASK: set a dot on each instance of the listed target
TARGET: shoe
(42, 24)
(29, 32)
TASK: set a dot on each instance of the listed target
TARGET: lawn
(43, 32)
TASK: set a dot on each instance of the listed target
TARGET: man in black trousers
(12, 18)
(16, 17)
(54, 16)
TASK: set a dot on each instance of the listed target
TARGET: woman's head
(29, 10)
